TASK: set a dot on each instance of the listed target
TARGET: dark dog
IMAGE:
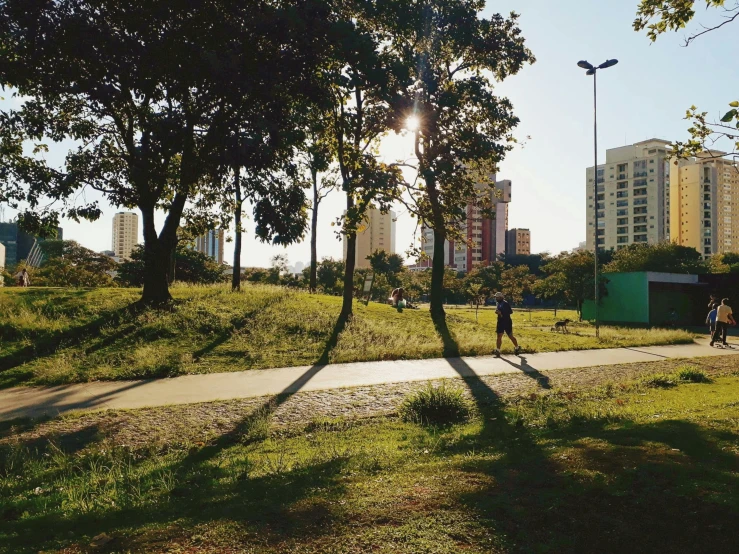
(561, 326)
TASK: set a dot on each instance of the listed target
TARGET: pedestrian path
(37, 401)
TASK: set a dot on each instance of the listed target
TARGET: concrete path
(36, 401)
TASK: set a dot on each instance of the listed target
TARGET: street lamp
(592, 70)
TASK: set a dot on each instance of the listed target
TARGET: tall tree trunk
(314, 236)
(156, 263)
(437, 276)
(350, 262)
(236, 277)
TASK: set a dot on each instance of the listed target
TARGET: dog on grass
(561, 326)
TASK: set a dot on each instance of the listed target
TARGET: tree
(477, 296)
(365, 80)
(489, 276)
(149, 91)
(388, 265)
(461, 129)
(660, 16)
(723, 263)
(515, 282)
(570, 276)
(533, 261)
(67, 264)
(191, 266)
(330, 276)
(666, 257)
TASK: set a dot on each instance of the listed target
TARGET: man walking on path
(724, 316)
(505, 323)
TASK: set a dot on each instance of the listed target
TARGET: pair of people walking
(719, 319)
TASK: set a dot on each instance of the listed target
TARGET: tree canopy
(191, 266)
(148, 91)
(664, 256)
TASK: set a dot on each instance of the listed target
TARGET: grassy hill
(53, 336)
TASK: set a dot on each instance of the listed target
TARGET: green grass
(624, 467)
(55, 336)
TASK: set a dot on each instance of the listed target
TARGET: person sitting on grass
(397, 298)
(724, 317)
(505, 323)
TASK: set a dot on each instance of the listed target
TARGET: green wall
(627, 300)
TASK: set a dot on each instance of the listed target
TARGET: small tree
(570, 276)
(67, 264)
(515, 282)
(667, 257)
(191, 266)
(477, 296)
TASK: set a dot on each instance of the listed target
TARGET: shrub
(658, 381)
(440, 405)
(691, 374)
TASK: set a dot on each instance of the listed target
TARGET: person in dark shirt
(505, 323)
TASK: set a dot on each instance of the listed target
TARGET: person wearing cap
(505, 323)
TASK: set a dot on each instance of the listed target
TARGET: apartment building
(125, 234)
(518, 242)
(22, 246)
(211, 244)
(377, 232)
(632, 197)
(486, 237)
(704, 212)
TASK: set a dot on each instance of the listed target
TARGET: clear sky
(644, 96)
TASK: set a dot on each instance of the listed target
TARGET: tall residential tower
(633, 196)
(705, 203)
(376, 233)
(125, 234)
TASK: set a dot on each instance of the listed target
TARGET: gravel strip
(202, 423)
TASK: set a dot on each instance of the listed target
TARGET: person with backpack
(505, 323)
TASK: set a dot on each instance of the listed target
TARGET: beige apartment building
(705, 203)
(125, 234)
(376, 233)
(633, 196)
(518, 242)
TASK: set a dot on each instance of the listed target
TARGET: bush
(441, 405)
(691, 374)
(658, 381)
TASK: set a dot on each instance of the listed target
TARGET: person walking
(711, 321)
(505, 323)
(724, 316)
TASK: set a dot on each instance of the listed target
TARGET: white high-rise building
(633, 196)
(377, 232)
(125, 234)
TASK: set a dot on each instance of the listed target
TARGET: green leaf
(728, 116)
(734, 104)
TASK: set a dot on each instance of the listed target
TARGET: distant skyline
(644, 96)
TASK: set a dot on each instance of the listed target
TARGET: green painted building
(651, 298)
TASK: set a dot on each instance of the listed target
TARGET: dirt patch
(203, 422)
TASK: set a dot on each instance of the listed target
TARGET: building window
(622, 212)
(706, 197)
(640, 202)
(601, 214)
(622, 194)
(706, 215)
(622, 240)
(640, 168)
(621, 203)
(640, 192)
(601, 205)
(622, 185)
(640, 228)
(622, 230)
(706, 224)
(707, 241)
(640, 238)
(640, 219)
(601, 197)
(601, 232)
(706, 250)
(640, 183)
(622, 221)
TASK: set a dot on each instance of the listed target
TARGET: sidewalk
(37, 401)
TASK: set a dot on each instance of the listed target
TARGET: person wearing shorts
(505, 323)
(724, 317)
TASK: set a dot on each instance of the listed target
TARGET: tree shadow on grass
(537, 499)
(207, 490)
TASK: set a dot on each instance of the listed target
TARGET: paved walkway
(36, 401)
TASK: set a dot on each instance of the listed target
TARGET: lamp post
(592, 70)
